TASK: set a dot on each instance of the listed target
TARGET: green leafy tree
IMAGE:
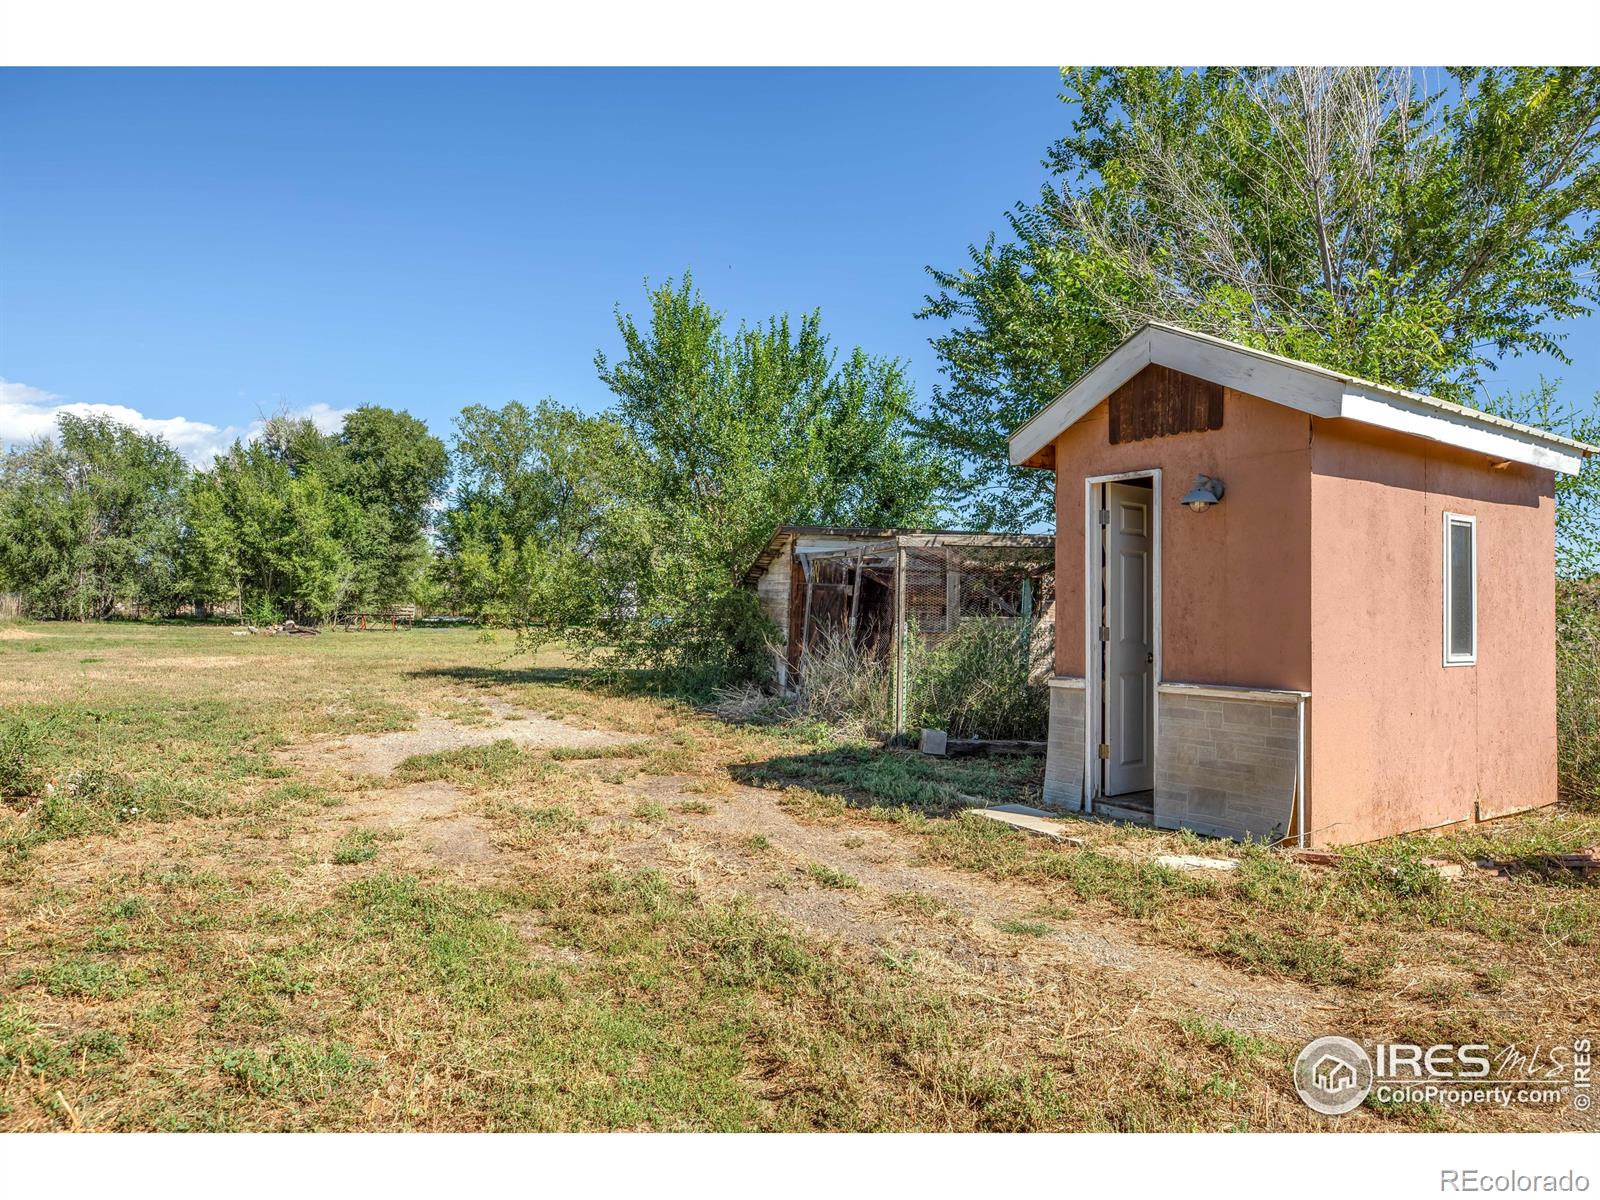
(307, 524)
(209, 544)
(738, 432)
(1577, 496)
(392, 471)
(538, 496)
(269, 515)
(1352, 217)
(626, 534)
(92, 517)
(746, 430)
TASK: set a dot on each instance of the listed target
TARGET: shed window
(1460, 590)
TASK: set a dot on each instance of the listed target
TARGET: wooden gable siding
(1159, 402)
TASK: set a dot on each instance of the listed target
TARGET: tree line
(1413, 229)
(627, 530)
(294, 523)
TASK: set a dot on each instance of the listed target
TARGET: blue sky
(203, 247)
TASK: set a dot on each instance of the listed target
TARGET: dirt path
(948, 921)
(900, 904)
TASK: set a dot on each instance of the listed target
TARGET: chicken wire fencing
(950, 636)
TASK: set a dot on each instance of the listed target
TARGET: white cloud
(27, 413)
(323, 416)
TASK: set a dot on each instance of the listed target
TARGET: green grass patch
(831, 877)
(358, 846)
(358, 711)
(869, 776)
(21, 756)
(1240, 1046)
(1309, 957)
(84, 977)
(22, 1041)
(585, 753)
(295, 1069)
(1138, 889)
(1018, 928)
(498, 762)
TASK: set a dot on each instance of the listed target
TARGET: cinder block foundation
(1225, 767)
(1063, 770)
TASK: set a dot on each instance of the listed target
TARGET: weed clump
(831, 877)
(983, 680)
(21, 744)
(357, 847)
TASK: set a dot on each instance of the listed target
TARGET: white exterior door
(1129, 641)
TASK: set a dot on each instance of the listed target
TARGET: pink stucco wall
(1400, 741)
(1322, 571)
(1236, 581)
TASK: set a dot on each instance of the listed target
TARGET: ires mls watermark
(1335, 1075)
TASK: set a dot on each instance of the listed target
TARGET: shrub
(1578, 691)
(980, 681)
(262, 612)
(693, 634)
(20, 742)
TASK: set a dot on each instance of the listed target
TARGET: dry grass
(717, 926)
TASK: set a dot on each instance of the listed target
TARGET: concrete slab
(1193, 862)
(1029, 820)
(1445, 868)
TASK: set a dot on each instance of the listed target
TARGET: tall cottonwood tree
(1408, 228)
(392, 472)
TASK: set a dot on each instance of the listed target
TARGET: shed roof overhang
(858, 537)
(1307, 387)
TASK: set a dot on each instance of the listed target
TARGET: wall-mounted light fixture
(1206, 492)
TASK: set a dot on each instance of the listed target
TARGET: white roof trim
(1304, 386)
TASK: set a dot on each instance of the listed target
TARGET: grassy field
(396, 881)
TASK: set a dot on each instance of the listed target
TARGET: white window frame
(1471, 658)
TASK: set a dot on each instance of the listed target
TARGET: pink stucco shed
(1301, 681)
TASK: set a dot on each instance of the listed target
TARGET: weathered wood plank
(1160, 402)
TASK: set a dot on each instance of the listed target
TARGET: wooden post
(899, 643)
(1027, 621)
(952, 595)
(855, 593)
(805, 624)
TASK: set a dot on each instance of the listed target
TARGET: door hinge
(1105, 516)
(1105, 750)
(1105, 633)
